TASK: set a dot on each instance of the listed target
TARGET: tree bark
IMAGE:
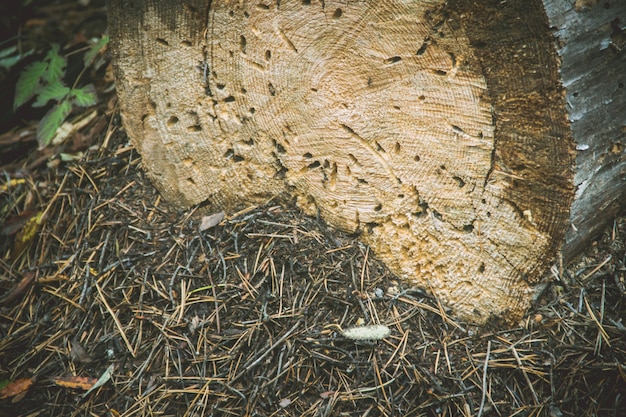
(592, 46)
(440, 131)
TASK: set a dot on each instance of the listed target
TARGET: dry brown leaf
(104, 378)
(75, 382)
(78, 353)
(14, 224)
(25, 283)
(19, 386)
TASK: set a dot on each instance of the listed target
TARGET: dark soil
(246, 318)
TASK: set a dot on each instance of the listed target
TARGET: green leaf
(54, 91)
(56, 65)
(51, 122)
(27, 84)
(11, 56)
(8, 51)
(95, 48)
(8, 62)
(84, 96)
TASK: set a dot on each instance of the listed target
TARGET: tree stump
(439, 131)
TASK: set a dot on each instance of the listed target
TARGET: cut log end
(439, 137)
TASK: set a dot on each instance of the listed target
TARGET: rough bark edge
(593, 52)
(524, 105)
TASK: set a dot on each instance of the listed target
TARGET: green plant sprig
(44, 81)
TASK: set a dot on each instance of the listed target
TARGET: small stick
(530, 385)
(217, 307)
(482, 400)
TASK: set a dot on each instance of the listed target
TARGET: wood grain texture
(431, 128)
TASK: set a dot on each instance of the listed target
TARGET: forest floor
(114, 303)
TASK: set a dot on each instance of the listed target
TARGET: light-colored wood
(437, 130)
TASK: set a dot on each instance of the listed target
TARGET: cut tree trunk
(438, 130)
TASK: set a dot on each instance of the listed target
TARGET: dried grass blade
(115, 320)
(521, 367)
(596, 269)
(603, 332)
(380, 380)
(484, 394)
